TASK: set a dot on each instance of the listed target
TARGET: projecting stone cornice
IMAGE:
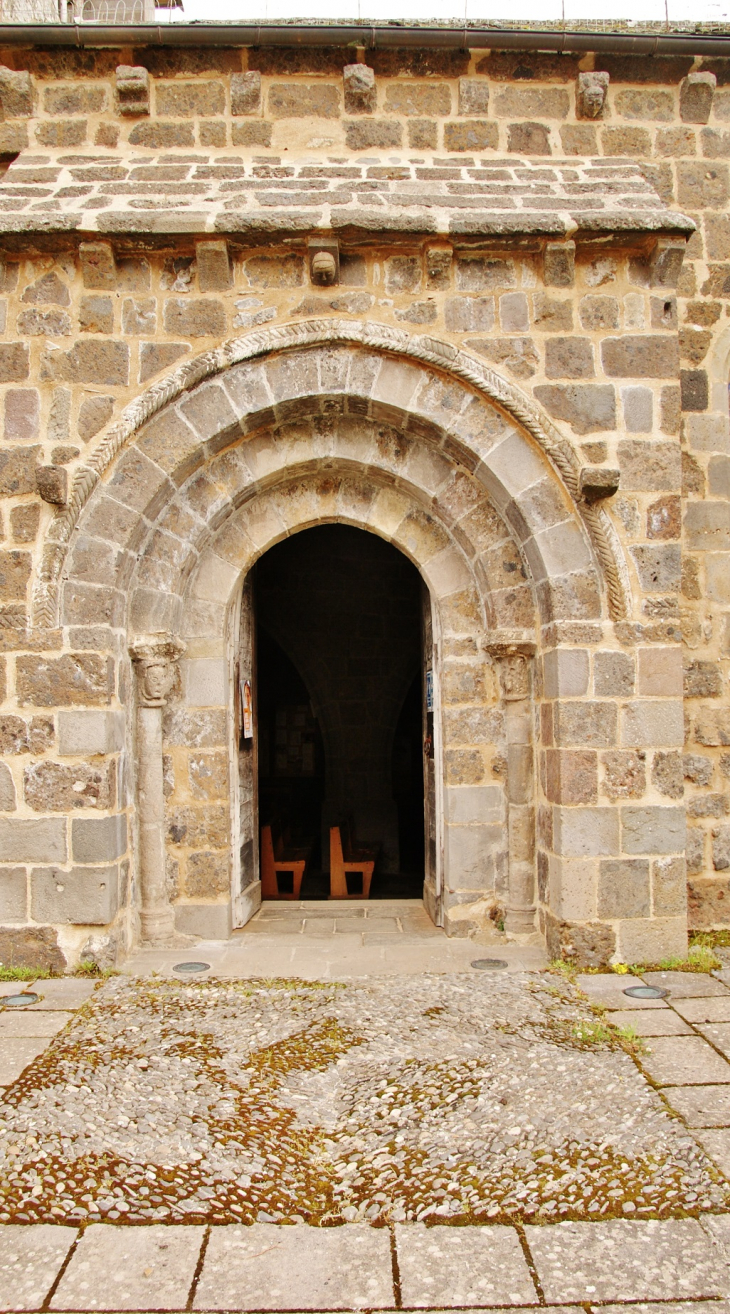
(194, 193)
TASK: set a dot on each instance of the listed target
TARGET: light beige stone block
(586, 832)
(652, 724)
(205, 682)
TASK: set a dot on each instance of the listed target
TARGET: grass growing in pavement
(84, 969)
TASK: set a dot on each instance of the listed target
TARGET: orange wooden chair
(278, 860)
(362, 861)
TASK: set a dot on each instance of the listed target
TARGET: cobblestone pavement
(213, 1114)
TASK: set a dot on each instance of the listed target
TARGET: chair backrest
(336, 856)
(267, 847)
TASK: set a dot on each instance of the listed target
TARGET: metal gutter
(372, 37)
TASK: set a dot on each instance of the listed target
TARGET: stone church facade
(471, 301)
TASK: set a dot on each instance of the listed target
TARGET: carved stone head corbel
(154, 657)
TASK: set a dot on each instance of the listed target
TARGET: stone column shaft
(154, 659)
(514, 663)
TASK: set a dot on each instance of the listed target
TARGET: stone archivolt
(379, 340)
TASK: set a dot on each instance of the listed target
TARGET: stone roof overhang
(148, 195)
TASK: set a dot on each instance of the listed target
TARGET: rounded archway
(418, 444)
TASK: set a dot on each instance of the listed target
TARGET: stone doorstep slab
(626, 1260)
(30, 1258)
(265, 1267)
(15, 1055)
(700, 1106)
(687, 985)
(651, 1022)
(684, 1061)
(131, 1268)
(452, 1266)
(26, 1024)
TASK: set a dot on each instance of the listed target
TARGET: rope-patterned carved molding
(380, 338)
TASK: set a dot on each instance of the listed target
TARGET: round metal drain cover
(489, 963)
(191, 967)
(19, 1001)
(646, 992)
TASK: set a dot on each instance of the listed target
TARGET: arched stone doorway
(339, 703)
(423, 446)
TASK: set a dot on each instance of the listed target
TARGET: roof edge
(370, 35)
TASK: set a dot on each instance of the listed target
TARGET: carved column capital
(514, 662)
(154, 657)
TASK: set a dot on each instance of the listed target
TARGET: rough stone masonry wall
(85, 328)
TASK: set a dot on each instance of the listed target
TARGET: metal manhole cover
(645, 992)
(191, 967)
(19, 1001)
(489, 963)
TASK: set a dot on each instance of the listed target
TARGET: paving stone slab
(454, 1266)
(27, 1024)
(15, 987)
(130, 1268)
(627, 1260)
(651, 1021)
(686, 985)
(683, 1061)
(265, 1267)
(717, 1226)
(718, 1034)
(717, 1145)
(672, 1307)
(64, 992)
(700, 1106)
(30, 1259)
(608, 989)
(16, 1054)
(704, 1010)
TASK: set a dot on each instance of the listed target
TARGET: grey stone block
(33, 841)
(659, 566)
(84, 896)
(624, 1260)
(30, 1258)
(565, 673)
(447, 1267)
(89, 732)
(623, 888)
(210, 921)
(638, 405)
(120, 1268)
(13, 894)
(653, 829)
(98, 839)
(265, 1267)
